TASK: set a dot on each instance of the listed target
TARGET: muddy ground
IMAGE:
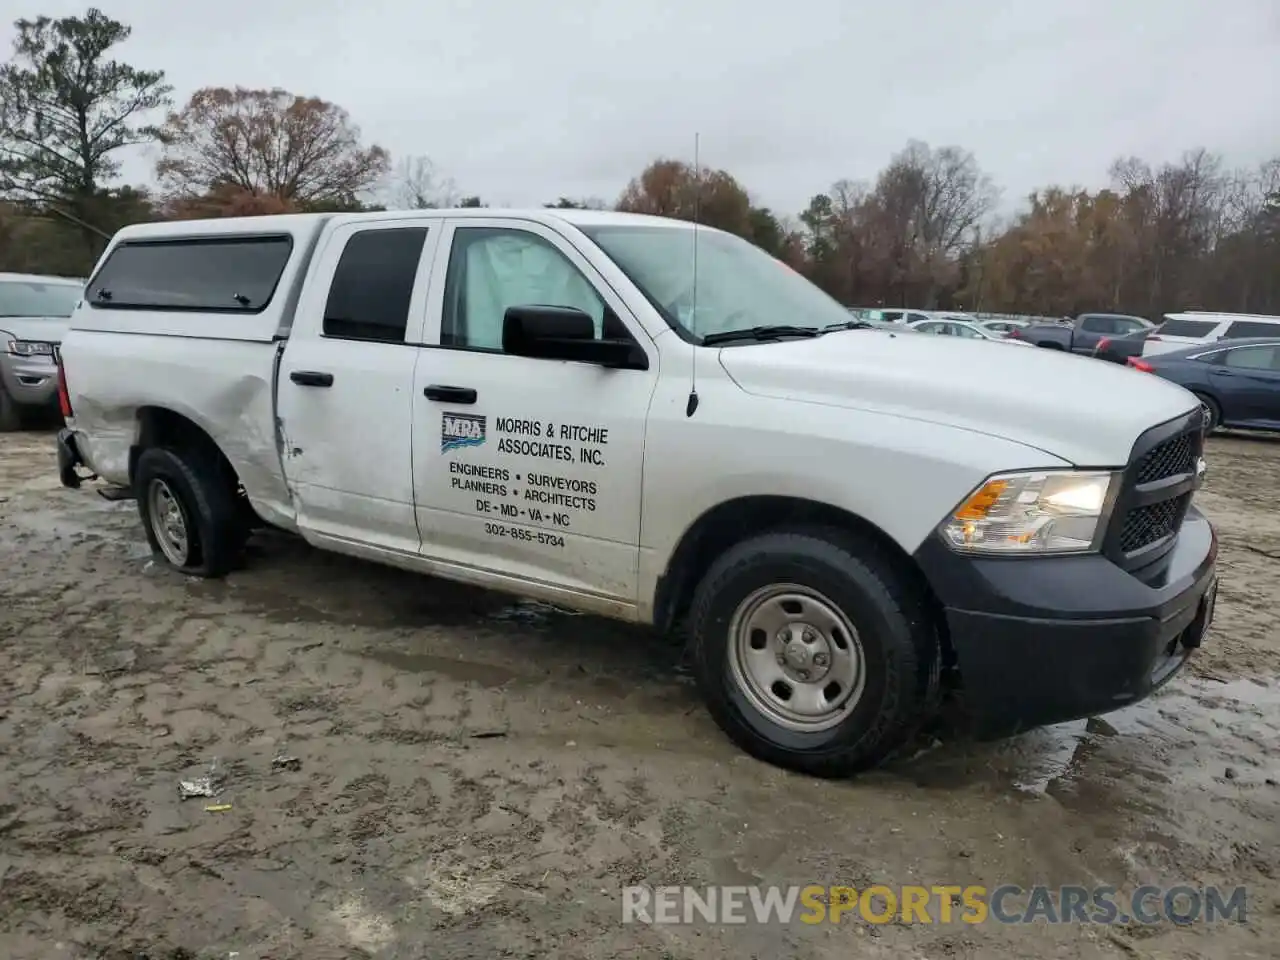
(478, 777)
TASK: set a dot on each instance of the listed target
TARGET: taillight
(1140, 365)
(1104, 343)
(64, 398)
(1014, 334)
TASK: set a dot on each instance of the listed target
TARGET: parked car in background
(1003, 327)
(1194, 328)
(1120, 349)
(1238, 383)
(899, 316)
(34, 312)
(1082, 334)
(960, 328)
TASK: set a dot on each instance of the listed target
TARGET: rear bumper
(1045, 640)
(69, 459)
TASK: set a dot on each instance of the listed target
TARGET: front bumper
(1049, 639)
(30, 381)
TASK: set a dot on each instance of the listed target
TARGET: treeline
(1193, 234)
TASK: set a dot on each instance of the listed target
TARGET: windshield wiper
(759, 334)
(848, 325)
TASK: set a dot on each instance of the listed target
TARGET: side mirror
(565, 333)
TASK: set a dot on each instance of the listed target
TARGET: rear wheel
(1212, 412)
(813, 651)
(189, 514)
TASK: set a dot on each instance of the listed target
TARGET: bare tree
(418, 184)
(302, 150)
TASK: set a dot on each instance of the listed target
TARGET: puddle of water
(1188, 735)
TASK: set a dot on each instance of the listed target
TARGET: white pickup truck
(524, 401)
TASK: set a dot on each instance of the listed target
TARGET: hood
(44, 329)
(1085, 411)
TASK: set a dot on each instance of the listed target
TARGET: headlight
(1031, 513)
(30, 348)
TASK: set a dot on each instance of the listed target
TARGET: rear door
(1090, 330)
(345, 384)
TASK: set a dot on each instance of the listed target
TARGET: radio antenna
(692, 405)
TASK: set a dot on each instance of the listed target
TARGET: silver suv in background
(1188, 329)
(34, 317)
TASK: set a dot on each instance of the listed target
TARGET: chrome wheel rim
(168, 522)
(796, 657)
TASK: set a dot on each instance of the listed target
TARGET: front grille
(1144, 526)
(1156, 491)
(1166, 459)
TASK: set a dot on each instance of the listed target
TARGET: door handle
(1222, 373)
(311, 378)
(444, 394)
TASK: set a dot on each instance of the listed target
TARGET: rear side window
(223, 275)
(371, 289)
(1097, 324)
(1254, 358)
(1252, 328)
(1176, 327)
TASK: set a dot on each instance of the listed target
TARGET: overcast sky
(524, 101)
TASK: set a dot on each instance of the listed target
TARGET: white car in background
(1179, 330)
(1003, 328)
(961, 328)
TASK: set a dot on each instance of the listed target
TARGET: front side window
(36, 298)
(962, 331)
(491, 269)
(221, 275)
(738, 285)
(1125, 326)
(373, 285)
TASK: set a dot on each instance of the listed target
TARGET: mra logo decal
(460, 430)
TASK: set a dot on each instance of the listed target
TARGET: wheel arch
(162, 427)
(733, 521)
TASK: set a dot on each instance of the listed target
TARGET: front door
(1248, 380)
(345, 400)
(527, 468)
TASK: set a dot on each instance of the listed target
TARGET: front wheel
(10, 415)
(813, 651)
(1212, 412)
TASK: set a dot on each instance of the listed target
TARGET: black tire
(10, 414)
(1212, 412)
(898, 637)
(195, 480)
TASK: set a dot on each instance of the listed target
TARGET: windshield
(739, 285)
(33, 298)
